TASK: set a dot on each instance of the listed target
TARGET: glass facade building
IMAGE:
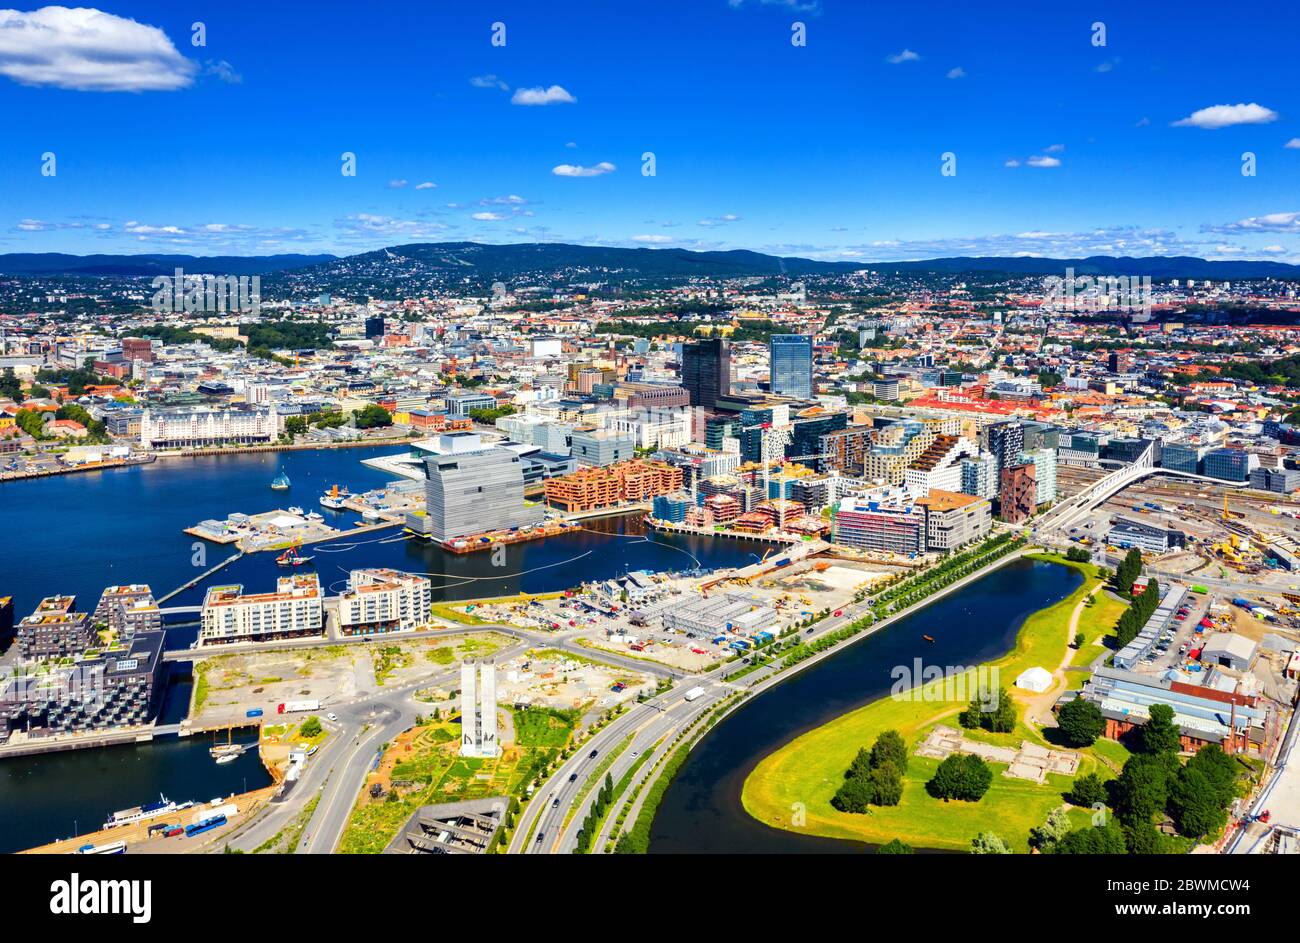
(791, 370)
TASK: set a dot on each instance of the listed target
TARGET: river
(702, 812)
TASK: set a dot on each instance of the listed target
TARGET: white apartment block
(293, 611)
(381, 600)
(657, 429)
(192, 426)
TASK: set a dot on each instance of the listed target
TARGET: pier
(201, 577)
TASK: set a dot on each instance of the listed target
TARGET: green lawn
(800, 778)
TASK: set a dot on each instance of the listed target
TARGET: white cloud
(957, 73)
(1043, 162)
(652, 238)
(1270, 222)
(222, 70)
(488, 217)
(900, 57)
(571, 144)
(427, 185)
(1294, 144)
(489, 81)
(718, 220)
(1225, 116)
(554, 95)
(576, 170)
(396, 184)
(1142, 122)
(89, 51)
(512, 199)
(1054, 148)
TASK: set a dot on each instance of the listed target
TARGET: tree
(372, 416)
(1107, 840)
(1050, 832)
(1141, 789)
(890, 748)
(1159, 734)
(295, 426)
(1087, 791)
(894, 847)
(987, 843)
(854, 795)
(861, 765)
(887, 784)
(1081, 722)
(1000, 717)
(310, 727)
(1079, 639)
(1129, 570)
(1193, 805)
(965, 777)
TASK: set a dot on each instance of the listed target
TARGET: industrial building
(1130, 533)
(1160, 620)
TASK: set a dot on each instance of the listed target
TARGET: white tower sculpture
(468, 710)
(478, 709)
(487, 721)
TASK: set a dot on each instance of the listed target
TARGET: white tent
(1034, 679)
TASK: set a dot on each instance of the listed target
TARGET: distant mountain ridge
(480, 261)
(149, 264)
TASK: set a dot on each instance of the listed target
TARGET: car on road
(555, 804)
(573, 777)
(839, 612)
(593, 754)
(540, 836)
(635, 754)
(332, 716)
(809, 632)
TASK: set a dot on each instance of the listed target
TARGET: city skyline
(830, 150)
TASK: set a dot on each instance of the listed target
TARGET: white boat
(225, 758)
(295, 510)
(315, 517)
(147, 811)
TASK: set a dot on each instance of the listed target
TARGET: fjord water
(702, 811)
(80, 532)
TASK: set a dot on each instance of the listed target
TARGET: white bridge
(1069, 512)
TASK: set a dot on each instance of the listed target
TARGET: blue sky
(830, 150)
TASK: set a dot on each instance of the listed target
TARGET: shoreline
(818, 752)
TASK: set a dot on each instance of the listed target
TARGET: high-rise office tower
(706, 370)
(791, 365)
(473, 488)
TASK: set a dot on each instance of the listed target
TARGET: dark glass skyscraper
(792, 365)
(706, 370)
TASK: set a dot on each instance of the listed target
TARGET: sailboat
(280, 482)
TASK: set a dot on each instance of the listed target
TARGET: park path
(1039, 709)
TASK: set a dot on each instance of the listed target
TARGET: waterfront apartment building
(54, 630)
(381, 600)
(294, 610)
(590, 489)
(121, 688)
(201, 426)
(790, 370)
(471, 489)
(706, 371)
(128, 609)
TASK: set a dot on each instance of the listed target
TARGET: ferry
(280, 482)
(147, 811)
(334, 498)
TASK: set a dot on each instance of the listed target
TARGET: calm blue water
(702, 812)
(81, 532)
